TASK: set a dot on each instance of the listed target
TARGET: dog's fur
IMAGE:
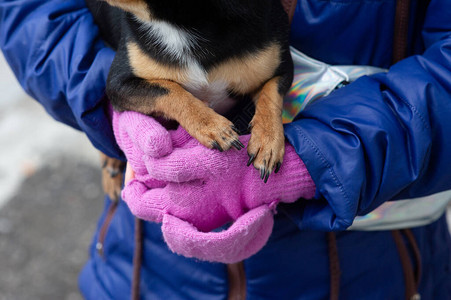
(187, 60)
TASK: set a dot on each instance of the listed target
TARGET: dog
(192, 60)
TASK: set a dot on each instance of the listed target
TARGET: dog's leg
(168, 99)
(112, 176)
(267, 144)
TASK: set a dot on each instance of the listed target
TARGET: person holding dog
(379, 139)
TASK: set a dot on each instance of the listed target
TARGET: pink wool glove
(138, 136)
(193, 190)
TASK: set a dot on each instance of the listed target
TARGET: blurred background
(50, 199)
(49, 202)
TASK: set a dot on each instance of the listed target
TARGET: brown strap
(137, 258)
(416, 253)
(401, 30)
(290, 7)
(334, 266)
(237, 281)
(104, 228)
(409, 278)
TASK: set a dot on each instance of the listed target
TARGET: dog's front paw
(266, 148)
(216, 132)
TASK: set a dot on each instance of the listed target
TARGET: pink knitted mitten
(139, 136)
(195, 190)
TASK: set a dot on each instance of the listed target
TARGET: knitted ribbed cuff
(293, 181)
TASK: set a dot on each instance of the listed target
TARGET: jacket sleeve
(54, 49)
(381, 138)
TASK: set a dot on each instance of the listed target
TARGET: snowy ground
(29, 137)
(49, 202)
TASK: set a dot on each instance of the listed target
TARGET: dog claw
(266, 176)
(216, 146)
(237, 144)
(262, 173)
(277, 167)
(241, 144)
(235, 129)
(251, 159)
(113, 172)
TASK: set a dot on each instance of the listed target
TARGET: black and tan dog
(190, 60)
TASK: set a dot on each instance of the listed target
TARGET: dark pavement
(46, 230)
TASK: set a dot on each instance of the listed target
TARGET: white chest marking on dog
(196, 74)
(214, 94)
(180, 44)
(175, 41)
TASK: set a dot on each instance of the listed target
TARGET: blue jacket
(382, 137)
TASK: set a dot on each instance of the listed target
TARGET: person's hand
(199, 189)
(129, 174)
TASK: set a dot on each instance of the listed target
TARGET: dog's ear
(137, 7)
